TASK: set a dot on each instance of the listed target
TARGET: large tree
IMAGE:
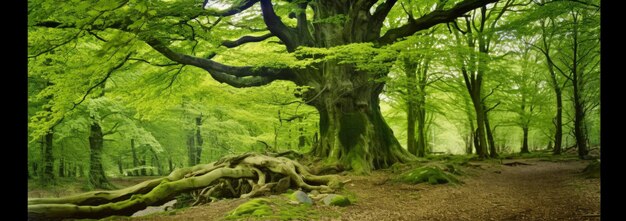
(352, 130)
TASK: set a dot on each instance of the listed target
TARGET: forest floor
(540, 190)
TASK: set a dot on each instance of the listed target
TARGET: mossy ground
(592, 170)
(431, 174)
(273, 208)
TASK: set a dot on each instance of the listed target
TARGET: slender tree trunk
(156, 162)
(61, 164)
(80, 170)
(120, 166)
(135, 159)
(411, 109)
(579, 121)
(411, 121)
(191, 149)
(199, 140)
(421, 131)
(47, 175)
(35, 166)
(492, 144)
(97, 178)
(558, 134)
(525, 140)
(579, 102)
(143, 171)
(169, 161)
(481, 148)
(471, 134)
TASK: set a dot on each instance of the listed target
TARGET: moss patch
(432, 175)
(336, 200)
(273, 208)
(256, 208)
(592, 170)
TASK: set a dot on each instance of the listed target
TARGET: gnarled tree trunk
(353, 131)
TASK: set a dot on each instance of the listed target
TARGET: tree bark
(135, 159)
(481, 147)
(199, 140)
(421, 127)
(579, 103)
(353, 131)
(493, 153)
(97, 178)
(524, 148)
(120, 166)
(47, 175)
(411, 109)
(61, 164)
(191, 149)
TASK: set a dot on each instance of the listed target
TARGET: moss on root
(432, 175)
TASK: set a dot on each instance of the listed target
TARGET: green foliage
(364, 56)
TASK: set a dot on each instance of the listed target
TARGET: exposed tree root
(243, 176)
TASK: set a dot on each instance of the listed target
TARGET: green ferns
(432, 175)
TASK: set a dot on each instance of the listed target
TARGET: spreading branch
(106, 77)
(246, 39)
(382, 10)
(432, 19)
(236, 76)
(277, 27)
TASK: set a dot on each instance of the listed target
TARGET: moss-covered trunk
(353, 131)
(97, 178)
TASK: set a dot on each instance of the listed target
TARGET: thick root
(243, 176)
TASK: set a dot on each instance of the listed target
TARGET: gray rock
(302, 197)
(154, 209)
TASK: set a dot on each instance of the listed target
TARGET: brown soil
(541, 190)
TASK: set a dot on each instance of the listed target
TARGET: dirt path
(539, 191)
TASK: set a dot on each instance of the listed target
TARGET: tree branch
(491, 108)
(103, 80)
(277, 27)
(237, 76)
(246, 39)
(382, 11)
(112, 130)
(150, 63)
(431, 19)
